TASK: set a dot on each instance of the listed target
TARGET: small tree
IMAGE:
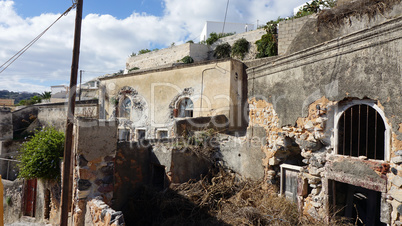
(268, 44)
(240, 48)
(222, 51)
(40, 155)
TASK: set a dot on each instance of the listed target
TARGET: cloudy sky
(111, 31)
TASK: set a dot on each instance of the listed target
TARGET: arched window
(125, 108)
(361, 132)
(185, 108)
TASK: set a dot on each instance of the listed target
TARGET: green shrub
(314, 7)
(222, 51)
(40, 155)
(240, 48)
(142, 51)
(190, 41)
(268, 44)
(133, 69)
(213, 37)
(187, 60)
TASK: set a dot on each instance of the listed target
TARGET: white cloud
(107, 41)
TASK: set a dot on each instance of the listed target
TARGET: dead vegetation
(337, 16)
(218, 199)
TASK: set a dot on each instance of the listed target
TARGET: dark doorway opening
(158, 176)
(47, 206)
(359, 205)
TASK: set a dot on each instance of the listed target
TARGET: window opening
(162, 134)
(125, 108)
(140, 134)
(361, 131)
(124, 134)
(185, 108)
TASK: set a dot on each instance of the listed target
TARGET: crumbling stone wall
(95, 149)
(100, 214)
(295, 99)
(12, 200)
(6, 125)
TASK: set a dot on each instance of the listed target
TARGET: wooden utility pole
(70, 117)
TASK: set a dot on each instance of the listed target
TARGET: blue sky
(111, 31)
(118, 8)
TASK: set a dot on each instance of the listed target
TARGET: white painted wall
(212, 26)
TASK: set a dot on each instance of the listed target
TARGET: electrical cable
(224, 21)
(22, 51)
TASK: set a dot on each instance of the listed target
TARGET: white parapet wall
(167, 56)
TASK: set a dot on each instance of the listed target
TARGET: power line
(22, 51)
(224, 21)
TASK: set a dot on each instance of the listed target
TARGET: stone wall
(297, 99)
(100, 214)
(6, 125)
(287, 32)
(12, 200)
(95, 149)
(313, 30)
(251, 36)
(22, 118)
(168, 56)
(56, 114)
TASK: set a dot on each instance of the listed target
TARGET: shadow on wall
(142, 170)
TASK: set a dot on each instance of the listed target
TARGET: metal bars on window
(361, 132)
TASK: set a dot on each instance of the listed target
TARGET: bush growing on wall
(187, 60)
(40, 156)
(240, 48)
(213, 37)
(268, 44)
(222, 51)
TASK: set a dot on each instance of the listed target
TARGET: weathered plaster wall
(6, 124)
(295, 99)
(305, 32)
(56, 114)
(12, 200)
(50, 190)
(95, 147)
(23, 117)
(168, 56)
(208, 85)
(243, 154)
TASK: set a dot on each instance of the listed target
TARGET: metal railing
(11, 172)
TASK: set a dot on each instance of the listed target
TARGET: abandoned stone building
(322, 120)
(147, 103)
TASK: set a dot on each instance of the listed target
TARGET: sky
(111, 31)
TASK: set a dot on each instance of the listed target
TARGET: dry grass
(336, 16)
(217, 199)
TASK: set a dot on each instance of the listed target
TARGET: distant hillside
(17, 96)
